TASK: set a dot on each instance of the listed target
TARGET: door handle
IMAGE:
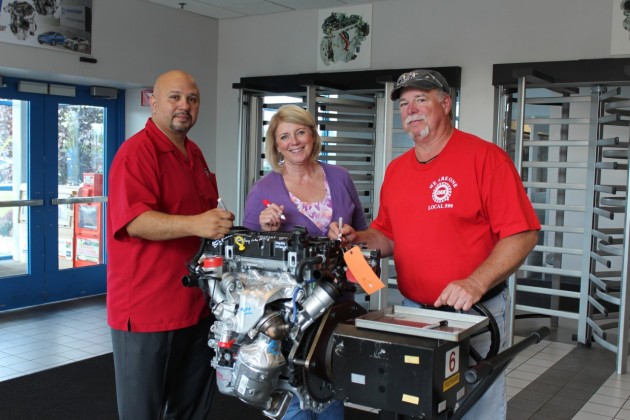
(77, 200)
(18, 203)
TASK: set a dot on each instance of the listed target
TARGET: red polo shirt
(446, 216)
(144, 287)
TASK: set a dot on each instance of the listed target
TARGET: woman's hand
(271, 217)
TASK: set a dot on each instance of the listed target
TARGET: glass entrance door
(54, 155)
(80, 160)
(18, 208)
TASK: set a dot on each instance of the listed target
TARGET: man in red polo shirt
(162, 199)
(455, 216)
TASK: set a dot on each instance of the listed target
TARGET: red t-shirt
(144, 278)
(446, 216)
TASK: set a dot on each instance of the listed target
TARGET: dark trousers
(164, 375)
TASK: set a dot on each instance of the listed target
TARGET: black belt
(494, 292)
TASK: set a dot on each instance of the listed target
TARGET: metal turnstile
(569, 140)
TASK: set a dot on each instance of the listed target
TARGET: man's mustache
(415, 117)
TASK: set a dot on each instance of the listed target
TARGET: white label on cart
(452, 362)
(355, 378)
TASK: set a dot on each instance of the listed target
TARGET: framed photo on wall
(620, 31)
(344, 38)
(62, 25)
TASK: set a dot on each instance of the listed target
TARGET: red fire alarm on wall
(145, 96)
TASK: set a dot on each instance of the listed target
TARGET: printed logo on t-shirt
(441, 192)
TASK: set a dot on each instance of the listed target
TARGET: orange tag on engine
(362, 271)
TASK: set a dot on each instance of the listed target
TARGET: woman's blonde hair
(295, 115)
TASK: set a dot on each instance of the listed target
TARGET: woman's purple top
(271, 187)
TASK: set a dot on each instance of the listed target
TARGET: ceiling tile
(226, 9)
(227, 4)
(309, 4)
(259, 8)
(194, 6)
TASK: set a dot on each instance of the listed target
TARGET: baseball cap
(421, 79)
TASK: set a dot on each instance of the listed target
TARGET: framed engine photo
(344, 38)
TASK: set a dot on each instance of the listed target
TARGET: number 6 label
(452, 362)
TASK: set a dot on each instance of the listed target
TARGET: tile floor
(43, 337)
(529, 364)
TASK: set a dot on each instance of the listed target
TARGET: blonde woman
(301, 191)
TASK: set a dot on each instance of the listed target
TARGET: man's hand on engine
(215, 223)
(461, 294)
(346, 236)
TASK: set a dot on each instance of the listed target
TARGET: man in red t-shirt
(162, 199)
(453, 213)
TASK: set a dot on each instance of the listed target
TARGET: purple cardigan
(345, 202)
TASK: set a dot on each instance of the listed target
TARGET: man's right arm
(375, 239)
(157, 226)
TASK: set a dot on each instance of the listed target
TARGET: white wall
(472, 34)
(134, 41)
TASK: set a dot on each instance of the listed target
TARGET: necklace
(427, 161)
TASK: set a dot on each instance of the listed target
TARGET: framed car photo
(63, 25)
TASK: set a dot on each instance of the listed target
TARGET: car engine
(276, 296)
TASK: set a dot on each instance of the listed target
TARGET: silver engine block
(276, 297)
